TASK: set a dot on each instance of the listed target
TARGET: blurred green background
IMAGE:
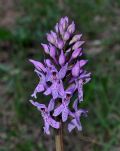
(23, 26)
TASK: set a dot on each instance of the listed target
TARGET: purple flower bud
(60, 44)
(65, 23)
(62, 58)
(52, 51)
(75, 38)
(77, 44)
(61, 21)
(66, 36)
(50, 38)
(38, 65)
(76, 69)
(56, 28)
(66, 19)
(61, 29)
(82, 62)
(46, 49)
(48, 62)
(54, 35)
(76, 53)
(71, 28)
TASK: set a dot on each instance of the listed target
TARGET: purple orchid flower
(48, 120)
(63, 108)
(75, 122)
(55, 78)
(63, 67)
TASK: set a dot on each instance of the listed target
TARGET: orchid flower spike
(62, 76)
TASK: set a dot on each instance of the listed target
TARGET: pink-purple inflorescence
(62, 76)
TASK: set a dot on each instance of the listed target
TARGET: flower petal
(71, 28)
(54, 124)
(76, 53)
(58, 110)
(62, 58)
(48, 91)
(38, 105)
(63, 71)
(77, 45)
(75, 38)
(65, 114)
(60, 44)
(54, 89)
(75, 105)
(46, 128)
(46, 48)
(82, 62)
(61, 89)
(38, 65)
(76, 69)
(50, 38)
(52, 51)
(51, 105)
(57, 28)
(66, 36)
(71, 126)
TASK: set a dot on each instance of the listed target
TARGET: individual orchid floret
(53, 75)
(56, 89)
(63, 25)
(63, 108)
(56, 77)
(48, 120)
(75, 122)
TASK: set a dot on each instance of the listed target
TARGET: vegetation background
(23, 26)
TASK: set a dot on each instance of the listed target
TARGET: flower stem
(59, 138)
